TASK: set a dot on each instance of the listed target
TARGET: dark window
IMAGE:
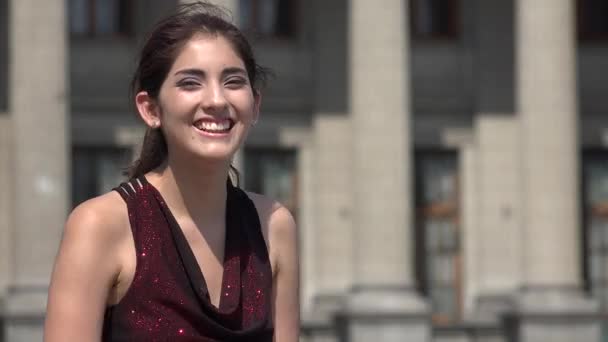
(595, 217)
(592, 20)
(98, 18)
(96, 170)
(438, 252)
(435, 19)
(268, 18)
(272, 172)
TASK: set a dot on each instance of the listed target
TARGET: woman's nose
(214, 98)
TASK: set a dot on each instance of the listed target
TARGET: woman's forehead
(207, 52)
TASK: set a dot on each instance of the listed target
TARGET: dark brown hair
(158, 54)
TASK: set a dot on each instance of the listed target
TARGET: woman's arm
(85, 270)
(283, 238)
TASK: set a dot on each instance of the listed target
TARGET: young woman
(178, 253)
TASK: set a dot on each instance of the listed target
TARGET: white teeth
(214, 126)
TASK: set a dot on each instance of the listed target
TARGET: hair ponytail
(153, 153)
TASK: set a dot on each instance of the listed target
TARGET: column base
(553, 314)
(318, 325)
(384, 314)
(489, 308)
(24, 313)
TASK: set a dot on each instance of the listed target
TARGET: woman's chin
(215, 153)
(208, 150)
(217, 146)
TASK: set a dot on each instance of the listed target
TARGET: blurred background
(453, 152)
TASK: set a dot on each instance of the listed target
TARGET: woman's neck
(193, 190)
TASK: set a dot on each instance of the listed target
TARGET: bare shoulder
(86, 268)
(103, 218)
(278, 227)
(94, 233)
(273, 215)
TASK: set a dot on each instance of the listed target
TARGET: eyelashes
(236, 82)
(188, 84)
(231, 83)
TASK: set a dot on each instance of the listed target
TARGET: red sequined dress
(168, 298)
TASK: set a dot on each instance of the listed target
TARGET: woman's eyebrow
(233, 70)
(202, 74)
(191, 72)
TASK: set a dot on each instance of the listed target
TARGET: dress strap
(129, 189)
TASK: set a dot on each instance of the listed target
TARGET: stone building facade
(446, 161)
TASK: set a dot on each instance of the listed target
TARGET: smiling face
(206, 104)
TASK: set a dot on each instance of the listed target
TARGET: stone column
(551, 306)
(384, 305)
(6, 146)
(39, 113)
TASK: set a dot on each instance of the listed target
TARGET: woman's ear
(148, 109)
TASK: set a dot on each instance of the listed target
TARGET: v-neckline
(229, 293)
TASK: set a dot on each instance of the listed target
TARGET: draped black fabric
(168, 299)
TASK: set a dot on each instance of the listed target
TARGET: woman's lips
(214, 126)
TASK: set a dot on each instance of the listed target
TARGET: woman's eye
(188, 84)
(236, 82)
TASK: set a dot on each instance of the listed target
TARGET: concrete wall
(442, 72)
(291, 60)
(442, 78)
(101, 68)
(100, 72)
(592, 78)
(594, 130)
